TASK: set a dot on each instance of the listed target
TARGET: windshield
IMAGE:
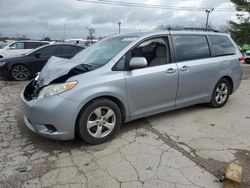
(102, 52)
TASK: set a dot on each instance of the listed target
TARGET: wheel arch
(15, 64)
(230, 80)
(109, 97)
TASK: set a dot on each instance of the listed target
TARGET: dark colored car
(25, 66)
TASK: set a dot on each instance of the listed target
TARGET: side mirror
(138, 62)
(37, 55)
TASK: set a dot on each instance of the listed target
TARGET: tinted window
(17, 45)
(191, 47)
(222, 45)
(156, 51)
(120, 65)
(48, 51)
(33, 45)
(71, 50)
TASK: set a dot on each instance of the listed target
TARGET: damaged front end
(56, 71)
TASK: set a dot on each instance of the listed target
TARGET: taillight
(242, 59)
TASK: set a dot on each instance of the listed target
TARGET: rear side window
(48, 51)
(189, 47)
(33, 45)
(221, 45)
(70, 50)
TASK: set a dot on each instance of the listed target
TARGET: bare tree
(91, 32)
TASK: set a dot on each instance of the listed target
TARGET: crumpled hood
(55, 68)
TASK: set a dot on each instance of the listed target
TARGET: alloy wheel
(20, 72)
(101, 122)
(221, 93)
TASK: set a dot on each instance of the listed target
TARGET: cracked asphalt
(187, 148)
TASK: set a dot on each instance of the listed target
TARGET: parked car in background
(20, 47)
(127, 77)
(2, 44)
(78, 42)
(24, 66)
(247, 56)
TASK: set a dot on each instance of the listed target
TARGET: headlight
(56, 89)
(2, 63)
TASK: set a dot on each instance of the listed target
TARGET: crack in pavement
(204, 163)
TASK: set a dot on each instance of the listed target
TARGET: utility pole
(119, 25)
(208, 12)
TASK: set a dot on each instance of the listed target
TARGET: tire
(20, 73)
(99, 121)
(220, 94)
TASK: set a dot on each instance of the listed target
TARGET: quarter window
(191, 47)
(222, 45)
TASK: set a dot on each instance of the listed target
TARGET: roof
(162, 32)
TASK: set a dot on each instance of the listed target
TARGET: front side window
(156, 51)
(222, 45)
(102, 52)
(190, 47)
(17, 45)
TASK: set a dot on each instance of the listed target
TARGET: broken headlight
(56, 89)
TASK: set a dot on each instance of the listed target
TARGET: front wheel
(99, 121)
(220, 94)
(20, 73)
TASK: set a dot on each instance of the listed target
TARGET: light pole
(119, 25)
(208, 12)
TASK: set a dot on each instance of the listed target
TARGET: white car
(20, 47)
(247, 57)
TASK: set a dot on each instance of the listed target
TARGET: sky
(61, 19)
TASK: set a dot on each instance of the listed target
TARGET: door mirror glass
(138, 62)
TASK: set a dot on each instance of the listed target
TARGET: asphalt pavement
(187, 148)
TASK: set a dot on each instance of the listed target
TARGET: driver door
(152, 89)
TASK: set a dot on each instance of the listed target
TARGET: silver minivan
(126, 77)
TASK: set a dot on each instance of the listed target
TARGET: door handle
(184, 68)
(170, 71)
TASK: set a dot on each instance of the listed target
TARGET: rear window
(221, 45)
(190, 47)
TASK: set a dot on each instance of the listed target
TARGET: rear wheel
(220, 94)
(20, 72)
(99, 121)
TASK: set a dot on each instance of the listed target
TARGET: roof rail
(193, 29)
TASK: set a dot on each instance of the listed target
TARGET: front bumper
(4, 70)
(52, 117)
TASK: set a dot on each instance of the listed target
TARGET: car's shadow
(48, 145)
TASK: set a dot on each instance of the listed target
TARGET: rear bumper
(55, 111)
